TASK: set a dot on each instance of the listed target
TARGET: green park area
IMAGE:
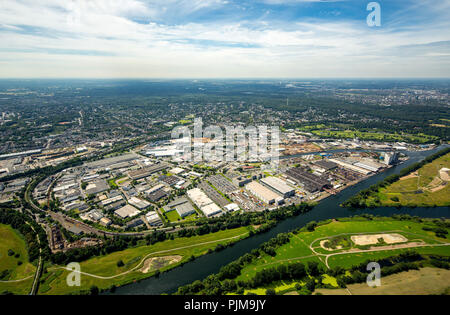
(173, 216)
(321, 255)
(305, 246)
(16, 273)
(334, 132)
(428, 186)
(136, 263)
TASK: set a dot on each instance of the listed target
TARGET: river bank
(328, 208)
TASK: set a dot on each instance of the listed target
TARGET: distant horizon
(220, 39)
(224, 78)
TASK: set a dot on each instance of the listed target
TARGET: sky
(223, 39)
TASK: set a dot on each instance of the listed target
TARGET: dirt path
(383, 248)
(392, 247)
(151, 254)
(19, 280)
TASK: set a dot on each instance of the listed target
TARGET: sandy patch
(371, 239)
(322, 244)
(412, 175)
(442, 186)
(444, 173)
(159, 262)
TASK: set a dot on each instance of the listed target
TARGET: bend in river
(168, 282)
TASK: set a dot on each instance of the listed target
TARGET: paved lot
(213, 194)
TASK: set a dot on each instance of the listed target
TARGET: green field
(9, 265)
(134, 260)
(306, 246)
(339, 132)
(424, 187)
(173, 216)
(424, 281)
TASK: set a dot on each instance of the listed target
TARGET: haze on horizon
(223, 39)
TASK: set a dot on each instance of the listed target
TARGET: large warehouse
(279, 186)
(182, 206)
(201, 200)
(263, 193)
(147, 171)
(309, 182)
(211, 209)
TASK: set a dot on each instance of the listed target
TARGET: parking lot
(213, 194)
(222, 184)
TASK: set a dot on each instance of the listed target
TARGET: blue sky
(223, 39)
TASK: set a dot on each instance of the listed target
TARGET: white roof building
(279, 186)
(127, 211)
(231, 207)
(153, 218)
(199, 197)
(176, 170)
(138, 203)
(262, 192)
(211, 210)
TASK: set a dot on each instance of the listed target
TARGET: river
(168, 282)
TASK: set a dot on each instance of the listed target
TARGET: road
(37, 275)
(67, 221)
(151, 254)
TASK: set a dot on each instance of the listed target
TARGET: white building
(201, 200)
(153, 218)
(263, 193)
(279, 186)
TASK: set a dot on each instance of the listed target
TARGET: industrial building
(390, 158)
(135, 223)
(367, 165)
(211, 210)
(153, 219)
(241, 181)
(138, 203)
(232, 207)
(201, 200)
(105, 221)
(112, 160)
(199, 197)
(116, 205)
(264, 193)
(97, 187)
(309, 182)
(111, 200)
(352, 167)
(169, 180)
(127, 211)
(325, 165)
(147, 171)
(182, 206)
(157, 195)
(279, 186)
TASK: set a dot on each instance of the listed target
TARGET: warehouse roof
(127, 211)
(278, 184)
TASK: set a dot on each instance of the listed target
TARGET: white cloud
(103, 38)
